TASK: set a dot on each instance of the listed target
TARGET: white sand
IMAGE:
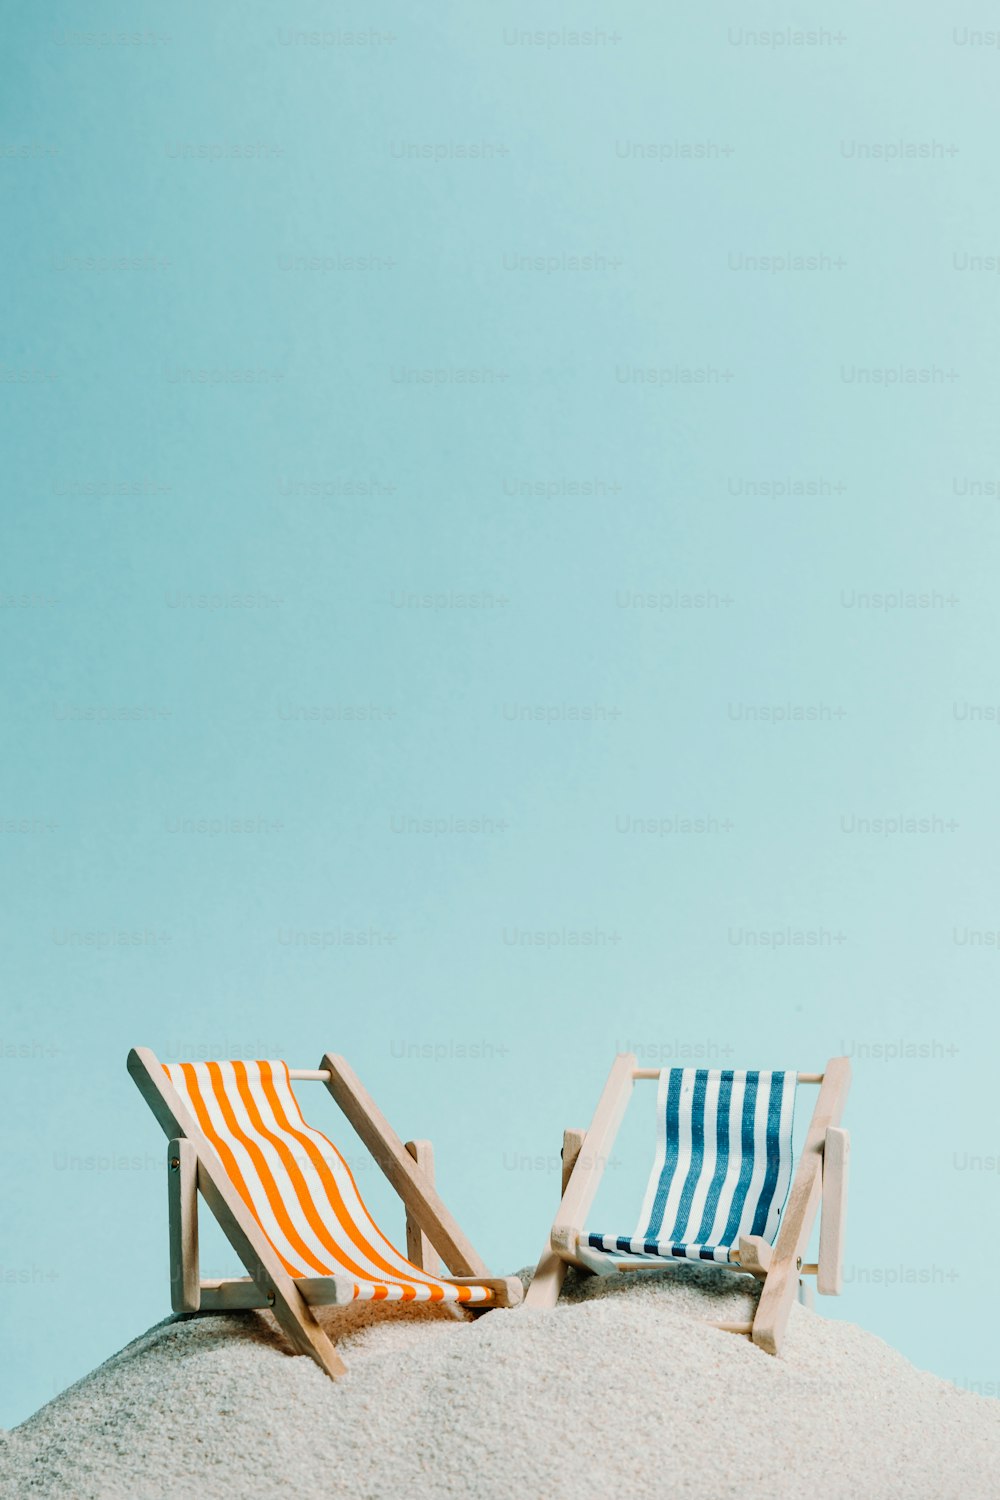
(619, 1391)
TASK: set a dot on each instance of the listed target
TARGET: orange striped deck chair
(289, 1205)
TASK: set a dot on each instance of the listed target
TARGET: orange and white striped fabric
(298, 1186)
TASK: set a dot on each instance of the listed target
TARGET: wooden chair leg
(182, 1214)
(833, 1211)
(419, 1249)
(571, 1147)
(592, 1263)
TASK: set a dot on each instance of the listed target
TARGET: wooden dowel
(320, 1075)
(655, 1073)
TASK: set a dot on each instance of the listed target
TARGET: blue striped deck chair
(724, 1187)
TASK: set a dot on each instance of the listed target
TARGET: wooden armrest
(507, 1290)
(564, 1239)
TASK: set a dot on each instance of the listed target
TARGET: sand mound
(620, 1390)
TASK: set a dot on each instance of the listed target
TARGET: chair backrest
(723, 1161)
(292, 1179)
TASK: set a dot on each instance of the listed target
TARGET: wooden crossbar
(655, 1073)
(321, 1075)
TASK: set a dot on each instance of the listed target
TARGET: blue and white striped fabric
(722, 1168)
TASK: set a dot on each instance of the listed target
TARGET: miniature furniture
(288, 1203)
(721, 1173)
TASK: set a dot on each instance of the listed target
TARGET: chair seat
(624, 1244)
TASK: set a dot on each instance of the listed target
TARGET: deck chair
(288, 1203)
(721, 1174)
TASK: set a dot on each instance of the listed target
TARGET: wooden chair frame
(820, 1177)
(193, 1167)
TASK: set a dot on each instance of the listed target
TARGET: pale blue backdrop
(414, 422)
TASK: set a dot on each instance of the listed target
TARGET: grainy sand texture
(621, 1390)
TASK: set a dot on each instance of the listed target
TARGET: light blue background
(252, 489)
